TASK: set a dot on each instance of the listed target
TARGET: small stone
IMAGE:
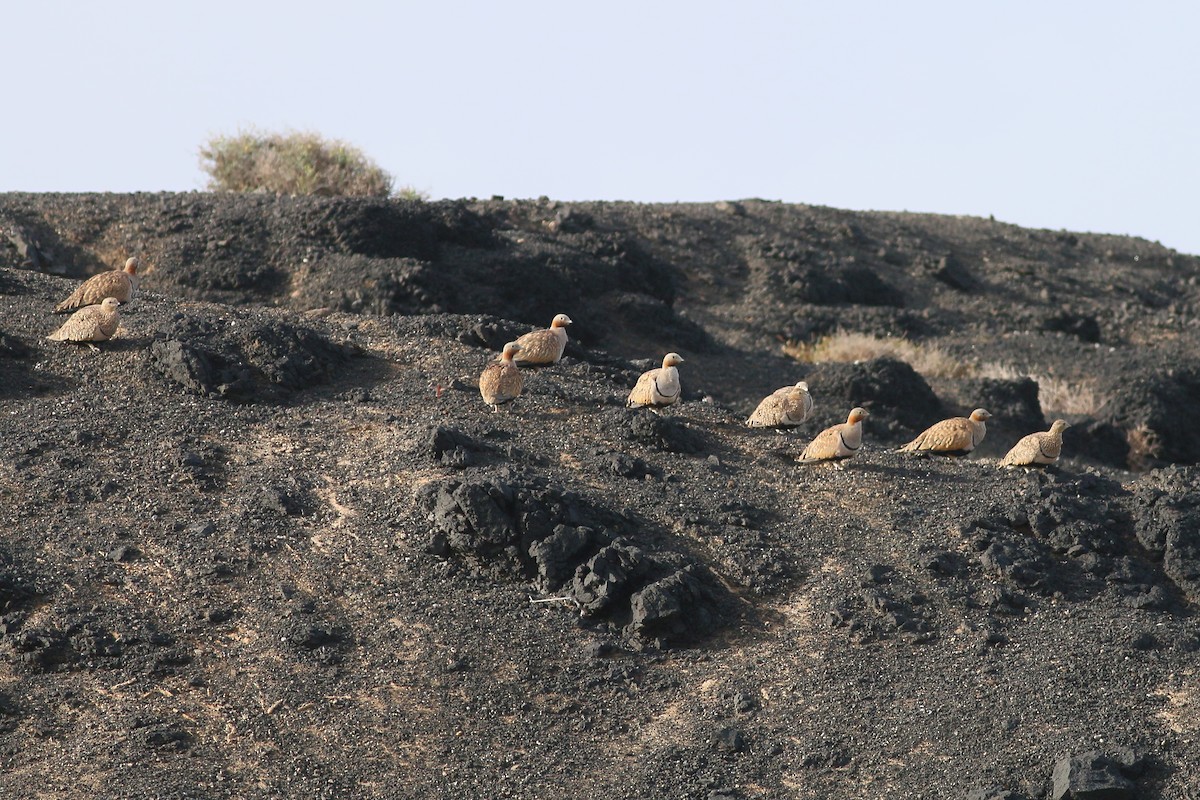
(205, 528)
(216, 616)
(122, 553)
(729, 740)
(1144, 641)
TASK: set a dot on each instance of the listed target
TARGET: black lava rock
(1081, 326)
(451, 447)
(890, 389)
(1148, 407)
(1013, 404)
(245, 360)
(661, 432)
(529, 530)
(1091, 776)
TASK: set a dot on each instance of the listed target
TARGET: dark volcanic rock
(659, 431)
(531, 530)
(1091, 776)
(453, 448)
(850, 284)
(995, 793)
(1149, 406)
(206, 598)
(363, 285)
(652, 317)
(245, 359)
(952, 272)
(729, 740)
(16, 588)
(1081, 326)
(888, 388)
(1013, 404)
(627, 466)
(12, 347)
(1167, 511)
(560, 553)
(1016, 557)
(657, 596)
(610, 576)
(1102, 442)
(680, 605)
(43, 649)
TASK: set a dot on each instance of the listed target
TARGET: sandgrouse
(545, 346)
(956, 436)
(90, 324)
(118, 283)
(501, 382)
(783, 408)
(658, 387)
(837, 443)
(1037, 449)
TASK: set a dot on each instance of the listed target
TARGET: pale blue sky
(1076, 115)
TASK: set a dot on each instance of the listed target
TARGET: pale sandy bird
(118, 283)
(545, 346)
(658, 387)
(1037, 449)
(90, 324)
(956, 436)
(501, 381)
(783, 408)
(837, 443)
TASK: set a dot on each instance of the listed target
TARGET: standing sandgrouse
(545, 346)
(783, 408)
(501, 381)
(956, 436)
(1037, 449)
(118, 283)
(90, 324)
(837, 443)
(658, 387)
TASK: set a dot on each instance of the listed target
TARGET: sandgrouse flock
(96, 303)
(501, 383)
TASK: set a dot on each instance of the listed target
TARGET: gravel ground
(269, 542)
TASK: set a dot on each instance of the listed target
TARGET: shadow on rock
(246, 360)
(615, 570)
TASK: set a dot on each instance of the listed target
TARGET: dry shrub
(1144, 447)
(1057, 396)
(846, 346)
(291, 163)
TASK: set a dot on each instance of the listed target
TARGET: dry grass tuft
(292, 163)
(1057, 396)
(847, 346)
(1144, 447)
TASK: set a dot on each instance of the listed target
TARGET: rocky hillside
(269, 542)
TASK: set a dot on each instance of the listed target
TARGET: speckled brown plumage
(783, 408)
(545, 346)
(118, 283)
(501, 382)
(954, 436)
(1037, 449)
(658, 387)
(837, 443)
(90, 324)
